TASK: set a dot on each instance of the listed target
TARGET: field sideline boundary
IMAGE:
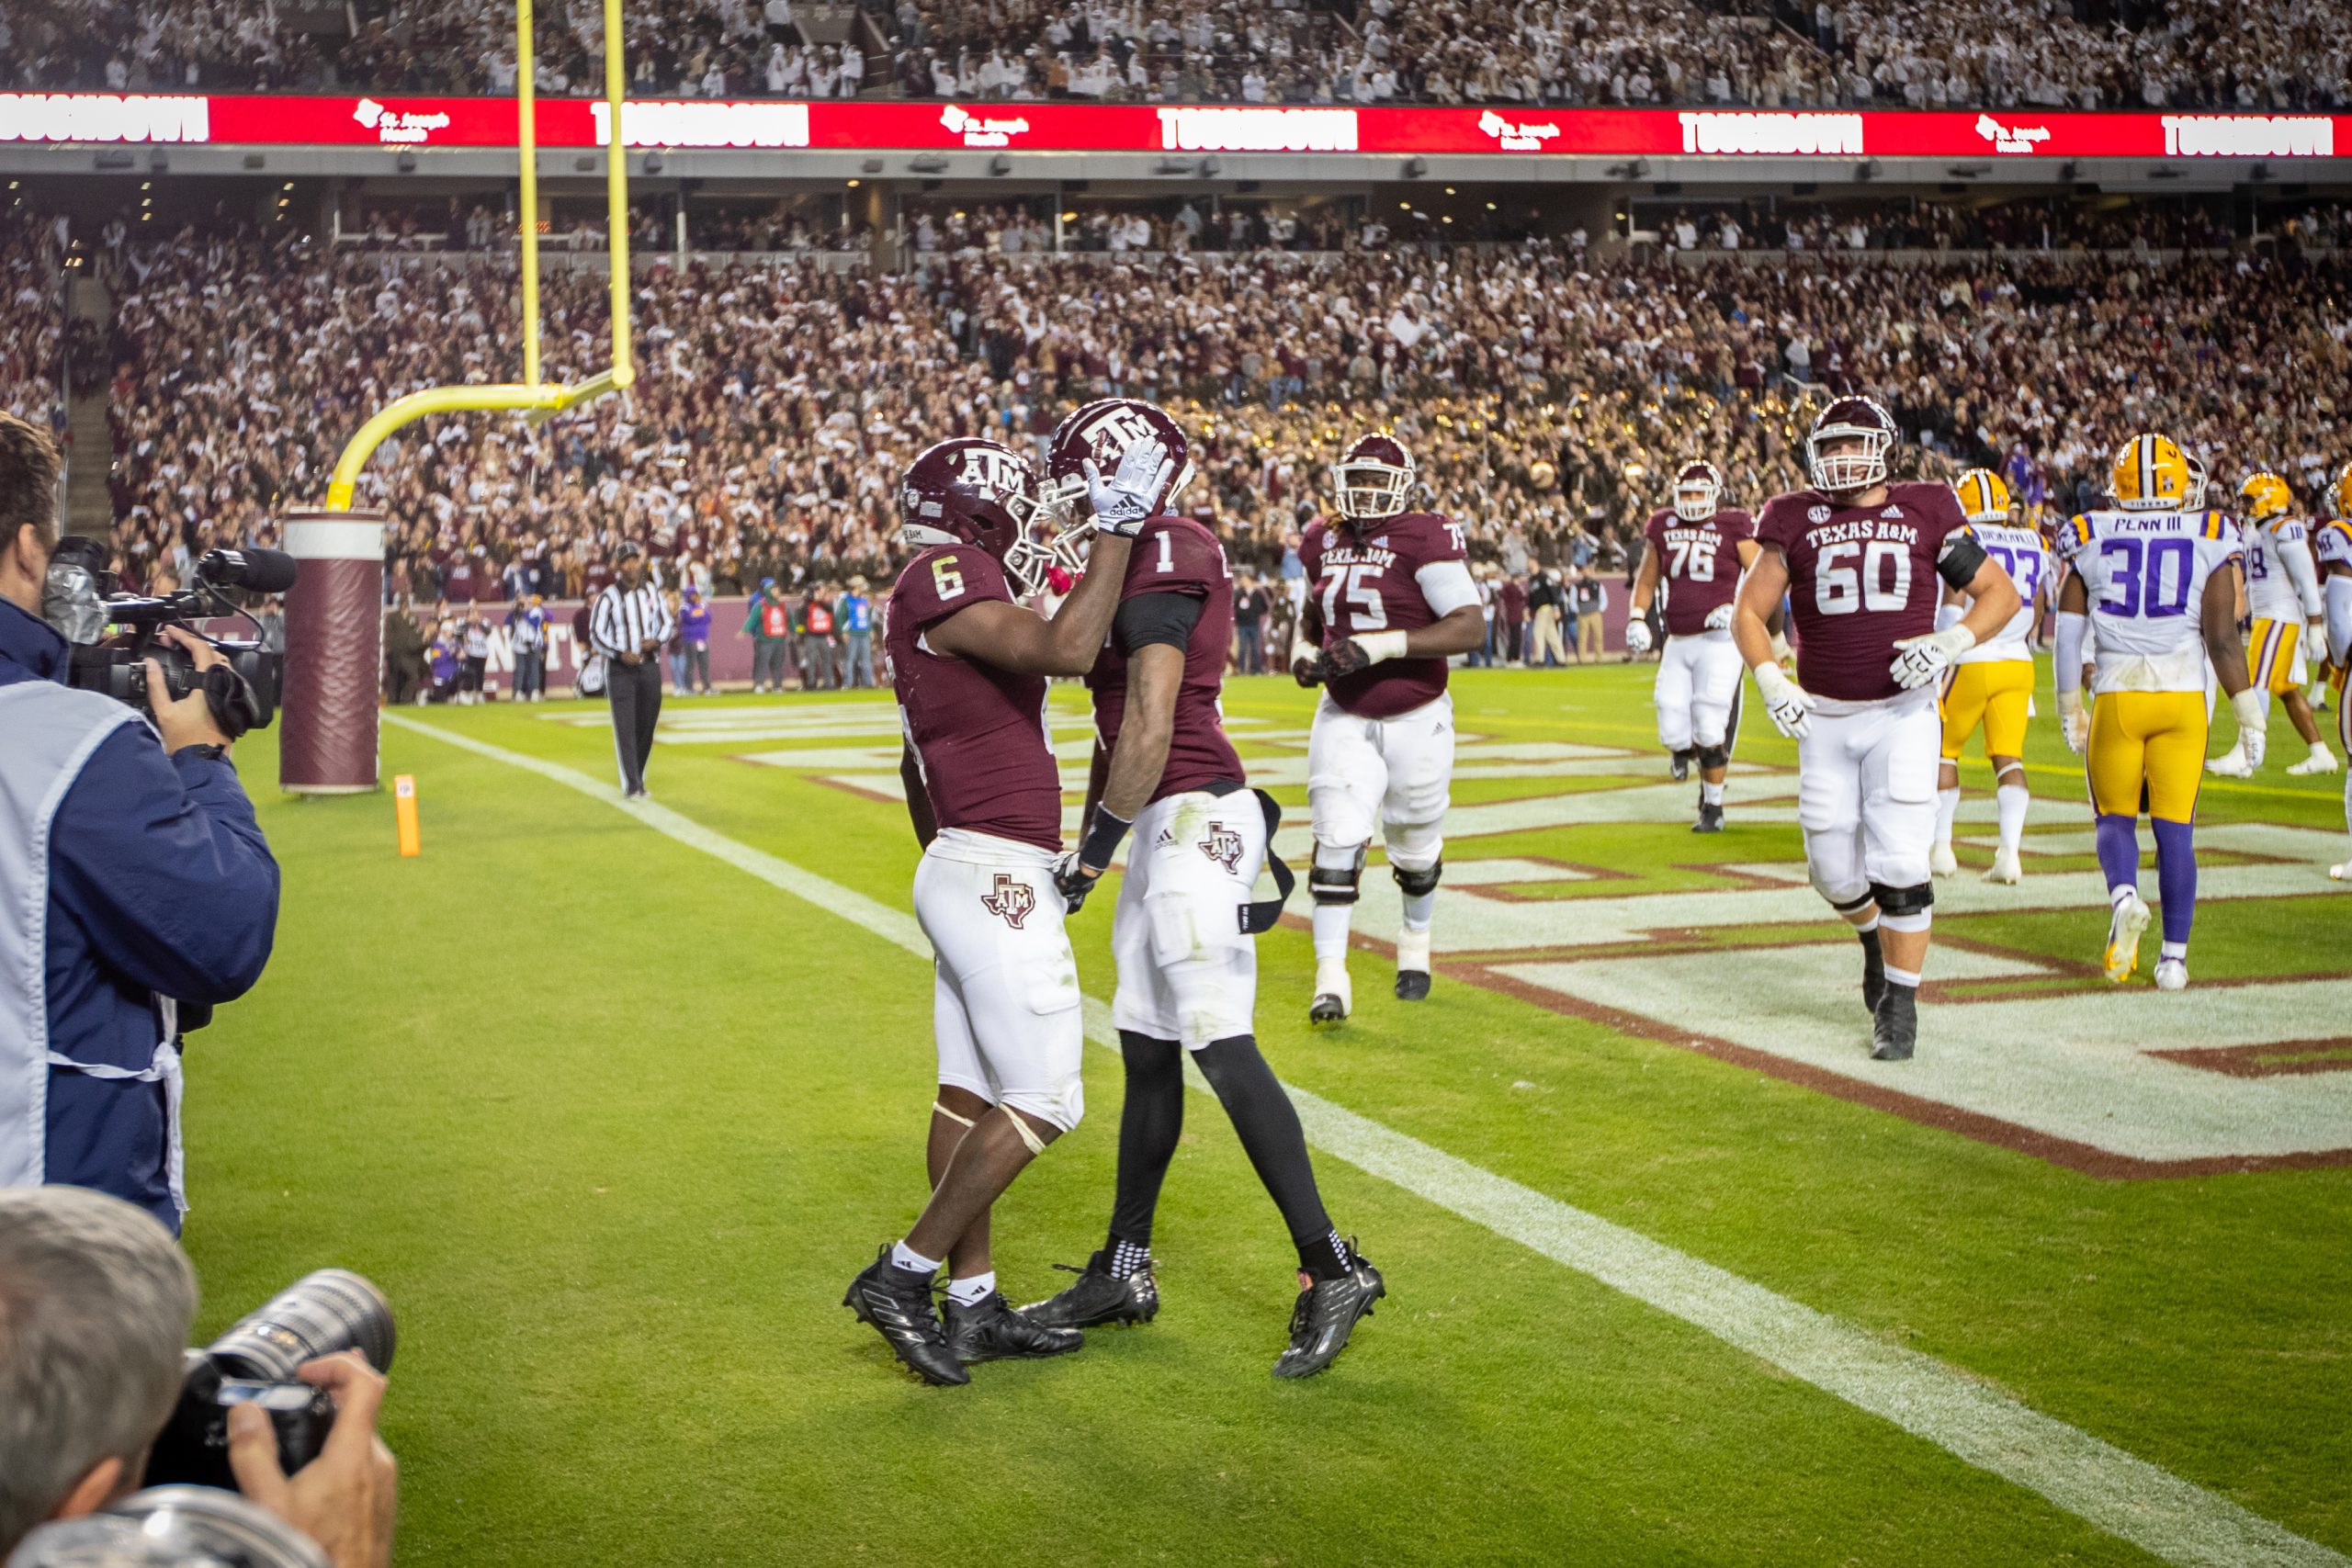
(2115, 1491)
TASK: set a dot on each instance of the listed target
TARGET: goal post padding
(334, 653)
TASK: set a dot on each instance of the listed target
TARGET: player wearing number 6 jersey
(2146, 579)
(1697, 550)
(1390, 598)
(1992, 683)
(1862, 562)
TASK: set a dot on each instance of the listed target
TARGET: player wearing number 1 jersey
(1862, 561)
(2153, 584)
(1697, 550)
(1992, 683)
(1389, 600)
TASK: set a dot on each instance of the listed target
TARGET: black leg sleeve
(1150, 1121)
(1268, 1125)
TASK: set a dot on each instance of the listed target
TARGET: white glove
(2253, 708)
(1718, 618)
(1919, 660)
(2073, 720)
(1121, 503)
(1637, 636)
(1788, 703)
(1781, 651)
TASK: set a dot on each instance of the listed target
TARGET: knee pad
(1916, 899)
(1416, 884)
(1716, 756)
(1061, 1111)
(1336, 884)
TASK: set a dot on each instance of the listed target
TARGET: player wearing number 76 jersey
(1697, 551)
(1863, 562)
(2154, 584)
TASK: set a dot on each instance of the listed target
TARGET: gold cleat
(2123, 932)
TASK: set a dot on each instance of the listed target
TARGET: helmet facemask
(1859, 468)
(1697, 496)
(1371, 490)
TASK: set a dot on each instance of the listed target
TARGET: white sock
(2012, 799)
(913, 1262)
(2176, 950)
(1710, 794)
(1332, 922)
(1947, 806)
(1902, 976)
(974, 1290)
(1419, 910)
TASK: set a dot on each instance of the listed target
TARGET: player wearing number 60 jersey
(1697, 550)
(1992, 683)
(1389, 599)
(1863, 562)
(2154, 584)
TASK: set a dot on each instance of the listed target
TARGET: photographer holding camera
(95, 1303)
(136, 884)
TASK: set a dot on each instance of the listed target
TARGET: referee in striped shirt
(628, 625)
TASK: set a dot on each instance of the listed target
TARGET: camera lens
(318, 1314)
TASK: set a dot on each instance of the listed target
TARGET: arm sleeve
(2072, 626)
(1961, 558)
(1447, 585)
(162, 865)
(1148, 618)
(2339, 619)
(2295, 555)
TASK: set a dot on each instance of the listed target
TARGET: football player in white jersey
(1991, 686)
(2283, 584)
(2153, 585)
(2332, 543)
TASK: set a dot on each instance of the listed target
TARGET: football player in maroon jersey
(1863, 562)
(1389, 600)
(1184, 928)
(969, 664)
(1697, 550)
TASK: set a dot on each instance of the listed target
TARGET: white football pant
(1393, 773)
(1866, 792)
(1187, 971)
(1698, 681)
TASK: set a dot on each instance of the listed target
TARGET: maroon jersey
(1363, 578)
(1176, 555)
(1860, 577)
(979, 732)
(1698, 565)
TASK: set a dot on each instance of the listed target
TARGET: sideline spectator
(856, 609)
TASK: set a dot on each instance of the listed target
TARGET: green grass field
(613, 1117)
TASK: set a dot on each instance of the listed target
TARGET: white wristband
(1381, 646)
(2253, 708)
(1303, 650)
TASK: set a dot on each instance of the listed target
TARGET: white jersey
(2021, 554)
(2279, 582)
(2145, 574)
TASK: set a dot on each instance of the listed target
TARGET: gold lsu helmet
(2150, 474)
(2266, 496)
(2343, 492)
(1983, 496)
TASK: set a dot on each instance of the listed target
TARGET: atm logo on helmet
(1114, 432)
(996, 474)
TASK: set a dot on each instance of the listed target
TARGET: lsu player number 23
(1992, 683)
(1390, 599)
(2153, 584)
(1863, 563)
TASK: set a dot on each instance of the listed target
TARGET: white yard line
(2152, 1509)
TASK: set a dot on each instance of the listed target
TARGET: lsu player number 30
(1389, 599)
(1862, 562)
(2152, 585)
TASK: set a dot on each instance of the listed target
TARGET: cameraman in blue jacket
(137, 888)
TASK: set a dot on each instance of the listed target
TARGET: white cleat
(2125, 930)
(1334, 997)
(2230, 765)
(1412, 965)
(2340, 873)
(2172, 973)
(2006, 868)
(2321, 761)
(1942, 863)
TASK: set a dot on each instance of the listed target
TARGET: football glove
(1788, 703)
(2074, 721)
(1718, 618)
(1073, 880)
(2253, 708)
(1637, 636)
(1361, 651)
(1919, 660)
(1121, 503)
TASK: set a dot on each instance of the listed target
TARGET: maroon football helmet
(1102, 431)
(1374, 478)
(969, 491)
(1698, 490)
(1858, 419)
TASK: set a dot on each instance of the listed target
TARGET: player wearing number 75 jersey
(1390, 598)
(1992, 683)
(2154, 584)
(1863, 562)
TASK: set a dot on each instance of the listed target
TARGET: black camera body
(254, 1363)
(243, 693)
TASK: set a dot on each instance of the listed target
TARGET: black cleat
(1326, 1315)
(1710, 820)
(1098, 1298)
(1680, 770)
(1412, 985)
(989, 1330)
(898, 1304)
(1327, 1008)
(1874, 977)
(1894, 1033)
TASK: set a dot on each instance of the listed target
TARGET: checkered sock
(1127, 1257)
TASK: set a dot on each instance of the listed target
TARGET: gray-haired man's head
(96, 1304)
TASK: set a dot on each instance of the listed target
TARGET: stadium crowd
(1927, 54)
